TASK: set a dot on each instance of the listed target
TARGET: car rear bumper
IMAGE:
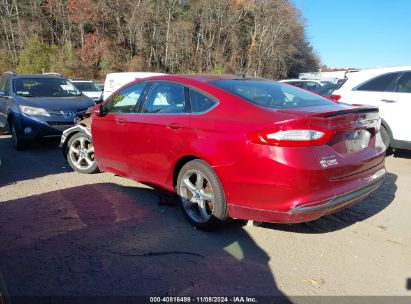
(338, 200)
(311, 210)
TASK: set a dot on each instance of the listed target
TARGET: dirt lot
(62, 233)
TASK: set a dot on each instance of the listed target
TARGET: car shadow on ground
(40, 159)
(370, 206)
(108, 240)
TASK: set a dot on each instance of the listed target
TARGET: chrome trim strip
(376, 181)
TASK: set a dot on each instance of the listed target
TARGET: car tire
(385, 137)
(80, 154)
(201, 195)
(18, 143)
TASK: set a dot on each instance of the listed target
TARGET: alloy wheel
(81, 153)
(197, 196)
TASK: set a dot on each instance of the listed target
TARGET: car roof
(134, 74)
(35, 76)
(201, 77)
(384, 69)
(378, 71)
(359, 77)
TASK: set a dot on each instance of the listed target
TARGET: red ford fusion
(236, 147)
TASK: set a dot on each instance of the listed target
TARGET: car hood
(93, 94)
(58, 103)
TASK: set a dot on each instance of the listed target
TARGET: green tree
(6, 63)
(306, 60)
(89, 38)
(35, 58)
(64, 60)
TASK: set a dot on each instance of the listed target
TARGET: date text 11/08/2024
(237, 299)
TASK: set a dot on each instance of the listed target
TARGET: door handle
(388, 100)
(120, 120)
(174, 126)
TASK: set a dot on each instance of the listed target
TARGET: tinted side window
(166, 97)
(199, 102)
(125, 100)
(384, 83)
(404, 83)
(1, 82)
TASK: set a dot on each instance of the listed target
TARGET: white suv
(88, 88)
(389, 89)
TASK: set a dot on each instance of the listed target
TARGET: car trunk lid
(355, 145)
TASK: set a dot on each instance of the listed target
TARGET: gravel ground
(63, 233)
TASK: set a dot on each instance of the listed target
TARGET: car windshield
(44, 87)
(271, 94)
(86, 86)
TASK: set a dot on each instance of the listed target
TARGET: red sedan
(240, 147)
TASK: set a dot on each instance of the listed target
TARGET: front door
(166, 114)
(110, 132)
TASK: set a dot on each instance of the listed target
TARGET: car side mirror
(99, 111)
(3, 93)
(100, 100)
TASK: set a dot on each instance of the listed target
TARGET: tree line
(89, 38)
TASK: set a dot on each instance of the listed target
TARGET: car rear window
(271, 94)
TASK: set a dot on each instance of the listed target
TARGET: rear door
(398, 106)
(166, 113)
(110, 132)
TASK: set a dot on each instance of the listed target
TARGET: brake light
(293, 138)
(378, 125)
(335, 97)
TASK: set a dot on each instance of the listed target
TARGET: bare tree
(259, 37)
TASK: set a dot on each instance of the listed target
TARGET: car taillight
(378, 125)
(335, 97)
(293, 138)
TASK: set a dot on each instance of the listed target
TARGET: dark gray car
(37, 106)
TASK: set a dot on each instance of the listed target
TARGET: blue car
(38, 106)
